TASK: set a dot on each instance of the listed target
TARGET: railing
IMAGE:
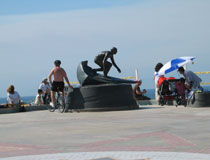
(132, 77)
(202, 73)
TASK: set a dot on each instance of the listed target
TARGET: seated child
(165, 89)
(38, 99)
(180, 86)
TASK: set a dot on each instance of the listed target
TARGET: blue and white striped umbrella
(174, 64)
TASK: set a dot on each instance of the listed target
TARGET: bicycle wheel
(61, 103)
(50, 108)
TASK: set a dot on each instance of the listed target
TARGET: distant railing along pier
(134, 78)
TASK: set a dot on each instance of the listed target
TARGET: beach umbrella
(174, 64)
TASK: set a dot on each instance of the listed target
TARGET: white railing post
(137, 74)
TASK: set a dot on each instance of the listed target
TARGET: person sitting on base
(102, 58)
(38, 99)
(13, 99)
(45, 87)
(139, 95)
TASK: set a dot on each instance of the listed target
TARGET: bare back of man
(59, 74)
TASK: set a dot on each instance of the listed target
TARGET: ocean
(30, 99)
(26, 99)
(150, 93)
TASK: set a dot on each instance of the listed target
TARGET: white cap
(44, 79)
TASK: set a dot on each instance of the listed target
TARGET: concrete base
(28, 108)
(102, 97)
(201, 100)
(147, 102)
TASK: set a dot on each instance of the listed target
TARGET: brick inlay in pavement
(116, 156)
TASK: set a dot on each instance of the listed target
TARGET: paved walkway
(150, 133)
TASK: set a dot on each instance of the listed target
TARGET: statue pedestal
(103, 97)
(201, 100)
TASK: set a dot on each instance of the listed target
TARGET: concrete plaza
(151, 132)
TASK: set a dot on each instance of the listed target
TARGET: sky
(35, 33)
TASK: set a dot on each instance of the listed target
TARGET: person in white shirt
(38, 99)
(156, 78)
(13, 98)
(45, 87)
(192, 80)
(192, 83)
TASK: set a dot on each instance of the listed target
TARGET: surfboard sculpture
(86, 76)
(98, 92)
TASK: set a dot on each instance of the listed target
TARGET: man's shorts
(57, 86)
